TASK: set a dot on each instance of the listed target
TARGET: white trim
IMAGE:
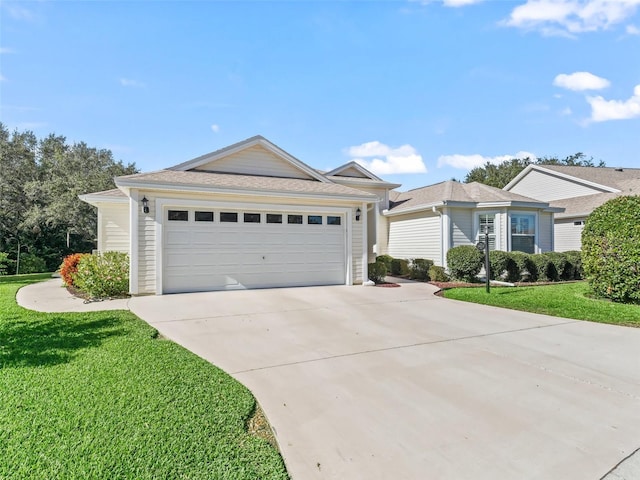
(358, 183)
(162, 203)
(564, 176)
(134, 246)
(447, 233)
(245, 144)
(173, 187)
(419, 208)
(497, 234)
(99, 232)
(365, 243)
(96, 200)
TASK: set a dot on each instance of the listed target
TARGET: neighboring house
(427, 222)
(253, 216)
(578, 190)
(247, 216)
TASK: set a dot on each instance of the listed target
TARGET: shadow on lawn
(52, 339)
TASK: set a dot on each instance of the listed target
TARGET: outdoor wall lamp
(145, 204)
(358, 212)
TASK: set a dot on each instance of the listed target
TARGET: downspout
(435, 210)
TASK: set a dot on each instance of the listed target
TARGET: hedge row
(416, 268)
(99, 276)
(465, 262)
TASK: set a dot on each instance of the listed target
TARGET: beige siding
(114, 228)
(147, 247)
(382, 235)
(545, 235)
(546, 187)
(352, 172)
(255, 161)
(568, 236)
(461, 226)
(415, 236)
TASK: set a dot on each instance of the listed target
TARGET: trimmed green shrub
(386, 259)
(419, 269)
(526, 269)
(611, 249)
(561, 265)
(4, 263)
(465, 262)
(503, 266)
(377, 271)
(574, 259)
(545, 270)
(399, 266)
(30, 263)
(103, 275)
(437, 274)
(69, 267)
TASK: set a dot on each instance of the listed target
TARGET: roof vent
(619, 170)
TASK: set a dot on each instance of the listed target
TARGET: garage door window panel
(204, 216)
(294, 219)
(274, 218)
(178, 215)
(314, 219)
(252, 218)
(334, 220)
(229, 217)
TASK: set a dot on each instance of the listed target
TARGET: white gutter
(435, 210)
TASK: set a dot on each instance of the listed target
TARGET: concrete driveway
(395, 383)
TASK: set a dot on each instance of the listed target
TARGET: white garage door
(212, 249)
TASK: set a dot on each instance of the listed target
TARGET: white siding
(383, 235)
(114, 228)
(568, 236)
(255, 161)
(545, 235)
(147, 247)
(352, 172)
(546, 187)
(415, 236)
(462, 226)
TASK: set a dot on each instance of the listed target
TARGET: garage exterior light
(145, 204)
(358, 212)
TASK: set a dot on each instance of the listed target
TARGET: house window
(579, 222)
(523, 232)
(252, 218)
(487, 222)
(178, 215)
(204, 216)
(274, 218)
(228, 217)
(297, 219)
(314, 219)
(333, 220)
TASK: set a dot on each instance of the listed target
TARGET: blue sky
(419, 92)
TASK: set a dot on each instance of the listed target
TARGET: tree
(611, 249)
(40, 181)
(501, 174)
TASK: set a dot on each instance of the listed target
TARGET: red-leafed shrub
(69, 267)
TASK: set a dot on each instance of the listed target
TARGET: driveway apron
(396, 383)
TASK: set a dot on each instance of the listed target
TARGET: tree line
(500, 175)
(40, 212)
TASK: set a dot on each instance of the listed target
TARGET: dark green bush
(386, 259)
(30, 263)
(103, 275)
(4, 263)
(503, 266)
(574, 259)
(561, 267)
(377, 272)
(611, 249)
(419, 269)
(526, 269)
(399, 266)
(465, 262)
(437, 274)
(545, 270)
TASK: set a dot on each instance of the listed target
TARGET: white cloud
(580, 81)
(18, 12)
(633, 30)
(604, 110)
(467, 162)
(566, 112)
(3, 78)
(384, 160)
(5, 50)
(562, 17)
(459, 3)
(215, 128)
(128, 82)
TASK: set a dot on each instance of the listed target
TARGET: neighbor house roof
(584, 205)
(114, 195)
(229, 182)
(607, 176)
(456, 193)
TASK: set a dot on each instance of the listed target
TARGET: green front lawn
(568, 300)
(100, 396)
